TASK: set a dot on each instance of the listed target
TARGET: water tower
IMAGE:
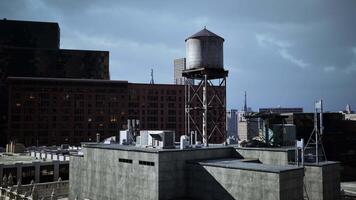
(205, 86)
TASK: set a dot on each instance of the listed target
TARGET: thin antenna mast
(152, 80)
(317, 133)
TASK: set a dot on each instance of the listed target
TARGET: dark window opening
(146, 163)
(125, 160)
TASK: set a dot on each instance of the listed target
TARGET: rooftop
(11, 159)
(234, 163)
(148, 149)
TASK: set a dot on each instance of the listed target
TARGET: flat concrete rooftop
(284, 148)
(320, 164)
(11, 159)
(149, 149)
(240, 164)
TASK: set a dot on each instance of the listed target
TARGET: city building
(179, 66)
(112, 171)
(231, 123)
(32, 49)
(281, 110)
(350, 117)
(54, 111)
(248, 128)
(338, 139)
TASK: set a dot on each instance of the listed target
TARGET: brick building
(32, 49)
(48, 111)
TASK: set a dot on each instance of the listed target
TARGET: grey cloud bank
(286, 53)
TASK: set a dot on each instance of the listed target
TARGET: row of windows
(125, 160)
(140, 162)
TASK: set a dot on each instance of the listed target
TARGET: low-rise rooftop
(11, 159)
(241, 164)
(147, 149)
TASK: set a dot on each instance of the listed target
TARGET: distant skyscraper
(179, 66)
(231, 123)
(247, 128)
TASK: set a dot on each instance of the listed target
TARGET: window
(146, 163)
(125, 160)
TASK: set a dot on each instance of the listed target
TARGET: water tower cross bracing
(205, 86)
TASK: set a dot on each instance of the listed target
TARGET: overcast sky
(283, 53)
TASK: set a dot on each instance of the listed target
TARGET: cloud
(329, 69)
(352, 67)
(281, 47)
(265, 40)
(299, 62)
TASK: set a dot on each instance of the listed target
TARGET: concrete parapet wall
(272, 156)
(322, 181)
(209, 182)
(173, 169)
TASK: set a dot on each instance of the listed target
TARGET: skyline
(280, 56)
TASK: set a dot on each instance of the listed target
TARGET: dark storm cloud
(286, 53)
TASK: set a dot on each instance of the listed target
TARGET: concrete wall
(209, 182)
(100, 175)
(322, 182)
(173, 169)
(272, 156)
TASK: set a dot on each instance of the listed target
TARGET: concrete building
(231, 123)
(179, 66)
(281, 110)
(218, 172)
(350, 117)
(247, 128)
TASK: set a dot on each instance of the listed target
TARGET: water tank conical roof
(204, 50)
(204, 33)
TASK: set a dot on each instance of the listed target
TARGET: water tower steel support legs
(206, 102)
(205, 112)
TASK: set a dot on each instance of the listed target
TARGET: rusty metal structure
(205, 86)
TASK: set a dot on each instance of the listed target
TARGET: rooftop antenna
(316, 135)
(152, 80)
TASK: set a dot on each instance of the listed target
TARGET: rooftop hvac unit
(157, 139)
